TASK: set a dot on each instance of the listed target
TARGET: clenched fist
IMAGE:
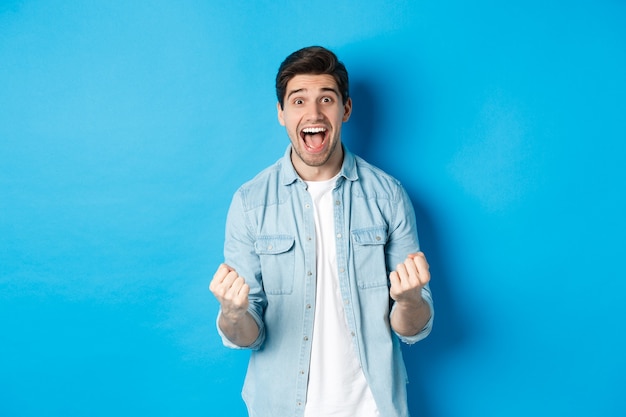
(231, 291)
(409, 278)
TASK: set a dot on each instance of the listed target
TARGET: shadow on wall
(366, 136)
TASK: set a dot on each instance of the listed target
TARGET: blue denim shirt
(270, 241)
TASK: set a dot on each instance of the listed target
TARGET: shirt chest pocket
(277, 256)
(369, 256)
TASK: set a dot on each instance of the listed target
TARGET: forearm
(242, 331)
(408, 319)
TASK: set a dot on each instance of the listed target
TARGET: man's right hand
(231, 291)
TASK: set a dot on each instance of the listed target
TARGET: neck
(319, 173)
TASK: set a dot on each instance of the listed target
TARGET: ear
(279, 109)
(347, 109)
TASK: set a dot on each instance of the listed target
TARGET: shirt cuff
(254, 346)
(426, 295)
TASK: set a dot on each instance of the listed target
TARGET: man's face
(313, 113)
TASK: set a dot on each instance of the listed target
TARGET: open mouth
(314, 138)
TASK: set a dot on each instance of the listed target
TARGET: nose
(314, 111)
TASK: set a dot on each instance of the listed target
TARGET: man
(323, 274)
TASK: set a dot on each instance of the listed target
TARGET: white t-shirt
(337, 385)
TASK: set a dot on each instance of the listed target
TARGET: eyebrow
(323, 89)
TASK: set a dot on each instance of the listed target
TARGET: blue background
(125, 127)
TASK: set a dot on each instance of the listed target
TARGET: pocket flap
(370, 236)
(273, 244)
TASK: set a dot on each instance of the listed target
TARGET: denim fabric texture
(270, 241)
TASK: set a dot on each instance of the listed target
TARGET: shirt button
(306, 338)
(307, 205)
(346, 301)
(338, 235)
(342, 270)
(337, 202)
(378, 238)
(308, 306)
(352, 333)
(309, 273)
(269, 247)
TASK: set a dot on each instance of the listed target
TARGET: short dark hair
(312, 60)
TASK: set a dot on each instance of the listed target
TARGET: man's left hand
(408, 279)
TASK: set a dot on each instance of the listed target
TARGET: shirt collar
(289, 175)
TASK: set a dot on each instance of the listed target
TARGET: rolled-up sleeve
(254, 346)
(239, 254)
(403, 241)
(427, 296)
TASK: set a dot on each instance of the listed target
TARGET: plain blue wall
(125, 127)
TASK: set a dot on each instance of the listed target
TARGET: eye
(298, 101)
(327, 100)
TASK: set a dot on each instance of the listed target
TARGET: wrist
(411, 304)
(232, 317)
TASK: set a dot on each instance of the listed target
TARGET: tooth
(314, 130)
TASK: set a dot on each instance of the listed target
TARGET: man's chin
(318, 160)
